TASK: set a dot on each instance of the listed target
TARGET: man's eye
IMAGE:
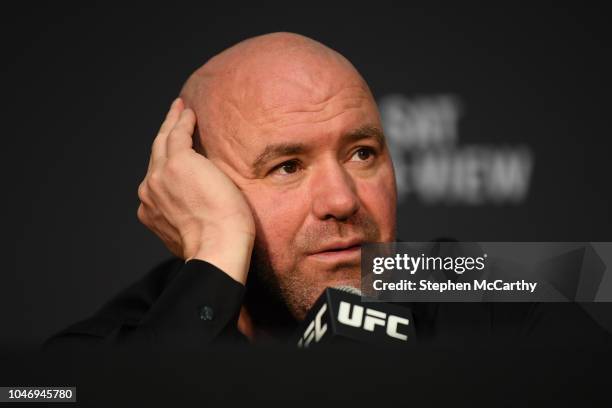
(363, 154)
(288, 167)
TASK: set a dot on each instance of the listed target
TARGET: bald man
(295, 165)
(269, 173)
(271, 164)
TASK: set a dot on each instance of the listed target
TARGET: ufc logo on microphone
(315, 329)
(372, 319)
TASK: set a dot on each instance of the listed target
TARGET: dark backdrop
(84, 90)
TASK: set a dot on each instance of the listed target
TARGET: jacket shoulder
(127, 308)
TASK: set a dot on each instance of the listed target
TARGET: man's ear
(197, 142)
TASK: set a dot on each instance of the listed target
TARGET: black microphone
(340, 316)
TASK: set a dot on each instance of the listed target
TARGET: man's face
(313, 165)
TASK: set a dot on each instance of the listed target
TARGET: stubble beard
(299, 288)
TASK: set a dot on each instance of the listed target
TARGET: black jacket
(176, 305)
(192, 305)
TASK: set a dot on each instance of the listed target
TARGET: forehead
(310, 122)
(289, 108)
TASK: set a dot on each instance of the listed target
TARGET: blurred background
(497, 118)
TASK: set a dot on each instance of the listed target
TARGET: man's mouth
(345, 251)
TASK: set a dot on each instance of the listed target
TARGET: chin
(343, 276)
(299, 308)
(301, 290)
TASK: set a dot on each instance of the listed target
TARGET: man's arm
(203, 218)
(176, 306)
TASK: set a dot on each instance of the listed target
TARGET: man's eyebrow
(288, 149)
(365, 132)
(277, 150)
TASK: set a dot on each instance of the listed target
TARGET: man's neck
(262, 333)
(245, 324)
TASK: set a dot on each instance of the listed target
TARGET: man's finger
(158, 150)
(181, 136)
(172, 116)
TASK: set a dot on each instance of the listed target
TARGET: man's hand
(197, 211)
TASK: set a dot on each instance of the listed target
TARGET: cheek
(378, 196)
(279, 216)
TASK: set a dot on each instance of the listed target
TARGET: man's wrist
(229, 251)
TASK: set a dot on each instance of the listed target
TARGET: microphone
(340, 316)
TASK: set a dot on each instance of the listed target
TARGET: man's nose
(334, 193)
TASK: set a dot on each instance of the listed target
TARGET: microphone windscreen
(349, 289)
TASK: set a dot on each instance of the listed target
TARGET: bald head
(295, 127)
(256, 79)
